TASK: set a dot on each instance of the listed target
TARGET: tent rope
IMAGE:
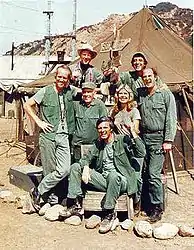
(183, 156)
(187, 138)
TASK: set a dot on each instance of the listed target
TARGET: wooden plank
(92, 201)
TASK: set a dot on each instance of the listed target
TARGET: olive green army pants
(114, 185)
(137, 164)
(55, 157)
(154, 164)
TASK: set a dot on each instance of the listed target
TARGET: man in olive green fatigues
(106, 167)
(57, 123)
(158, 125)
(83, 71)
(134, 78)
(87, 112)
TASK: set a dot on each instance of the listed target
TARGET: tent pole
(174, 172)
(188, 108)
(181, 134)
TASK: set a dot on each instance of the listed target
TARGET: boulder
(73, 220)
(43, 209)
(52, 213)
(143, 229)
(165, 231)
(186, 231)
(127, 225)
(93, 222)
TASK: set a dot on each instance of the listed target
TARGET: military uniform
(158, 125)
(89, 74)
(85, 119)
(135, 82)
(56, 109)
(111, 169)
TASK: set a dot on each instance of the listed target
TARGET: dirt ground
(20, 231)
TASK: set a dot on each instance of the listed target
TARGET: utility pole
(74, 30)
(12, 55)
(49, 14)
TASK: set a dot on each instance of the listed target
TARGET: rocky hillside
(179, 19)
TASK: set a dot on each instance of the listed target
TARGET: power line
(21, 7)
(20, 30)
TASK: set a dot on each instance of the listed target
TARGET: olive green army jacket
(134, 81)
(124, 149)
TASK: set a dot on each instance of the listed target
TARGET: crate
(93, 200)
(25, 177)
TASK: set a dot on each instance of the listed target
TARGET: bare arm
(29, 109)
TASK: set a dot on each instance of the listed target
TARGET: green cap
(88, 85)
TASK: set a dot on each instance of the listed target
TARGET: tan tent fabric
(165, 51)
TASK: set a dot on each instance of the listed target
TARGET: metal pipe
(74, 30)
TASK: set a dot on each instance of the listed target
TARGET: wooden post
(19, 121)
(188, 108)
(174, 172)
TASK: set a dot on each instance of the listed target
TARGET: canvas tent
(169, 54)
(165, 50)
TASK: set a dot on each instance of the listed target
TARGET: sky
(24, 21)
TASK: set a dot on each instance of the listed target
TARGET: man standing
(83, 70)
(158, 125)
(134, 78)
(57, 123)
(87, 112)
(107, 167)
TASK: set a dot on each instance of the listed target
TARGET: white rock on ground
(73, 220)
(186, 231)
(127, 225)
(43, 209)
(93, 222)
(52, 213)
(143, 229)
(5, 193)
(165, 231)
(9, 199)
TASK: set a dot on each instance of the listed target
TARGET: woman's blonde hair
(131, 104)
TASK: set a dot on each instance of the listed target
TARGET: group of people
(135, 133)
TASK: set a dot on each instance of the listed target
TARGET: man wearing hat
(87, 112)
(83, 70)
(133, 78)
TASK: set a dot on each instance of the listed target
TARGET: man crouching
(107, 167)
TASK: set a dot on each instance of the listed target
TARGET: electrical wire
(21, 7)
(30, 32)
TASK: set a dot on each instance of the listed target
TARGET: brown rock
(186, 231)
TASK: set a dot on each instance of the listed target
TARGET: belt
(153, 132)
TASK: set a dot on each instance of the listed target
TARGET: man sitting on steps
(106, 167)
